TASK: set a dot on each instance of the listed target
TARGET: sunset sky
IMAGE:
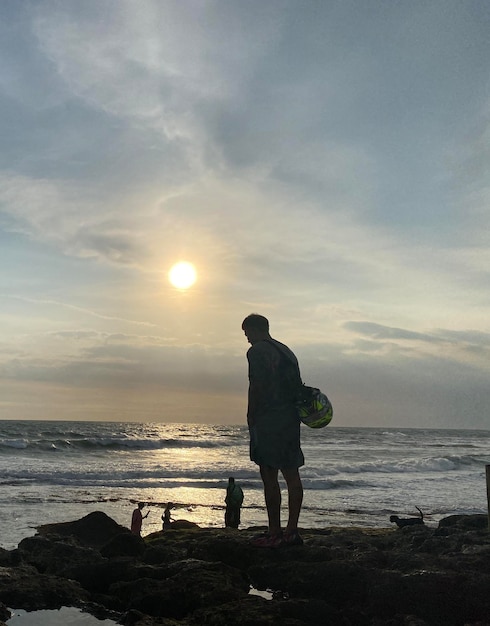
(323, 162)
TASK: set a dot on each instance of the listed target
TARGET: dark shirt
(272, 418)
(271, 365)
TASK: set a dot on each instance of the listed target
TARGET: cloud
(437, 336)
(115, 363)
(71, 307)
(324, 165)
(176, 96)
(467, 349)
(155, 66)
(436, 391)
(385, 332)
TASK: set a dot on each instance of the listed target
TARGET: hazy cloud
(325, 164)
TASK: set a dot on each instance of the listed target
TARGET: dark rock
(178, 524)
(256, 611)
(123, 544)
(94, 530)
(97, 577)
(164, 552)
(465, 521)
(415, 576)
(56, 555)
(337, 582)
(441, 598)
(183, 587)
(9, 558)
(137, 618)
(5, 614)
(27, 589)
(183, 524)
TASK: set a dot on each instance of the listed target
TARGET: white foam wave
(199, 477)
(110, 443)
(18, 444)
(429, 464)
(321, 485)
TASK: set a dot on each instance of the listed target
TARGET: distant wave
(327, 485)
(146, 444)
(199, 478)
(17, 444)
(430, 464)
(150, 478)
(152, 482)
(109, 443)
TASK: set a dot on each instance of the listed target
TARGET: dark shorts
(275, 439)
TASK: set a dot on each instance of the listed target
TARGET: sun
(182, 275)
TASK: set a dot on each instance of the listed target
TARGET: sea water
(61, 471)
(66, 616)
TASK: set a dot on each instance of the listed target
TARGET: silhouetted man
(274, 428)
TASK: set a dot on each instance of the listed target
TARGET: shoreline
(350, 478)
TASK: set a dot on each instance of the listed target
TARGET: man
(233, 500)
(274, 428)
(137, 519)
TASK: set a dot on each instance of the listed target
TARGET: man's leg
(235, 517)
(272, 493)
(295, 497)
(238, 514)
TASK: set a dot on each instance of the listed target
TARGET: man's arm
(254, 394)
(259, 371)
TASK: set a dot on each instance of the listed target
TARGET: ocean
(60, 471)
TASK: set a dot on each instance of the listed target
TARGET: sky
(324, 163)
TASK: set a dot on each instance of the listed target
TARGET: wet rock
(5, 614)
(414, 576)
(9, 558)
(56, 555)
(165, 552)
(98, 577)
(183, 587)
(94, 530)
(123, 544)
(25, 588)
(465, 521)
(183, 524)
(337, 582)
(259, 612)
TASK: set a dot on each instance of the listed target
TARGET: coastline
(191, 575)
(352, 477)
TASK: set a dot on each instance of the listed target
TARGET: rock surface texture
(414, 576)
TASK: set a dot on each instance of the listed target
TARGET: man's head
(255, 327)
(141, 505)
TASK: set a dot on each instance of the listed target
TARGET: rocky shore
(190, 576)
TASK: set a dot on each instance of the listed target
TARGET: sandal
(267, 541)
(292, 539)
